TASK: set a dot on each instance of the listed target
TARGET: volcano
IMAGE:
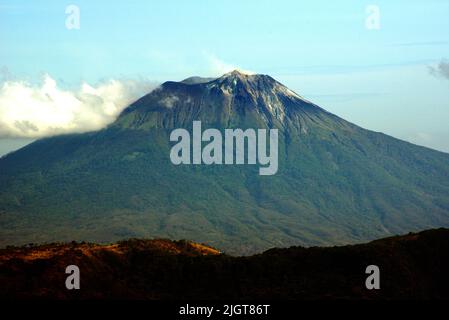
(336, 183)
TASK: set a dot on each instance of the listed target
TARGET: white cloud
(34, 111)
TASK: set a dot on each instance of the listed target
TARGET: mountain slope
(336, 183)
(413, 266)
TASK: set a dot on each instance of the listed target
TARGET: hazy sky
(379, 64)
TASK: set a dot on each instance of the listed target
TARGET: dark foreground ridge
(413, 266)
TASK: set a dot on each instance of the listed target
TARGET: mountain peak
(255, 85)
(237, 73)
(243, 76)
(237, 77)
(236, 94)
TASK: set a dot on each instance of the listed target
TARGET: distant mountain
(411, 267)
(336, 183)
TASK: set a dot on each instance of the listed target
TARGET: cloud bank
(36, 111)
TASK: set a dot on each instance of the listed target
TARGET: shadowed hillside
(412, 266)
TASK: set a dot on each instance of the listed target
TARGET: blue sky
(379, 79)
